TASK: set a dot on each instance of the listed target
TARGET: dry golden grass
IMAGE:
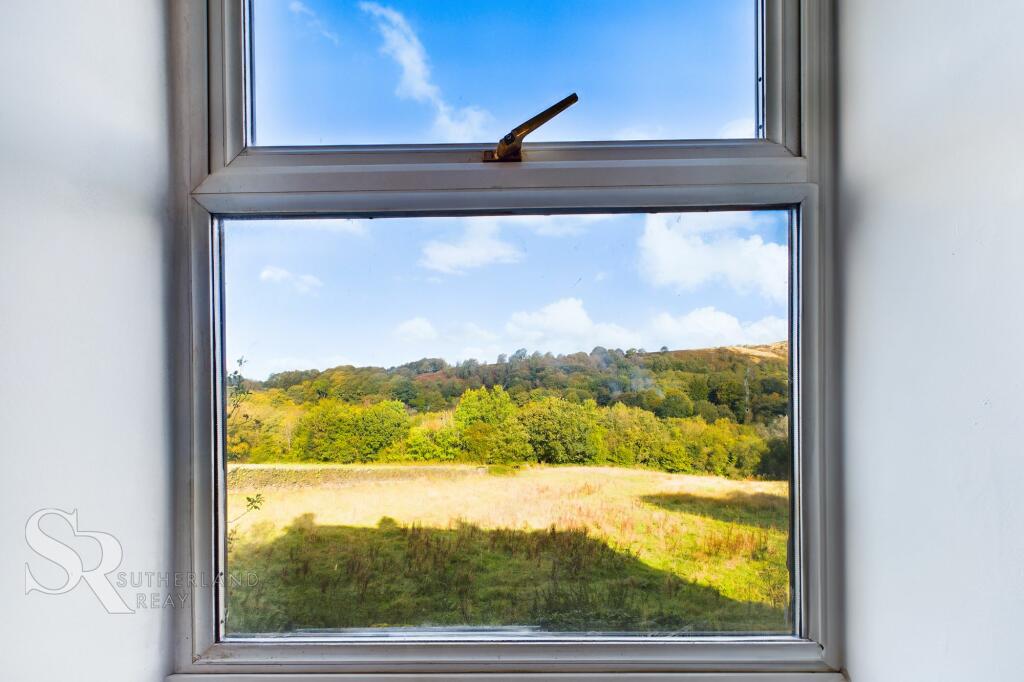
(722, 533)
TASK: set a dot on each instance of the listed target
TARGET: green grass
(558, 548)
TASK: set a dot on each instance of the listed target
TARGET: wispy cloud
(401, 43)
(689, 250)
(313, 21)
(558, 225)
(471, 331)
(303, 284)
(416, 329)
(480, 245)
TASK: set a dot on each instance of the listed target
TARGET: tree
(732, 394)
(378, 426)
(324, 433)
(238, 388)
(777, 462)
(562, 432)
(633, 435)
(675, 404)
(489, 429)
(332, 431)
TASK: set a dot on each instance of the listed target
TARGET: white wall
(84, 407)
(932, 277)
(932, 250)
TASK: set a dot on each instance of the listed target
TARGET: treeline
(352, 416)
(720, 383)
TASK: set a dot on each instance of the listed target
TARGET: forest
(721, 411)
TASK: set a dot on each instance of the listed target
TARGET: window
(489, 382)
(378, 73)
(456, 422)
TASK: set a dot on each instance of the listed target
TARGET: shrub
(777, 462)
(325, 433)
(488, 428)
(419, 446)
(675, 404)
(633, 436)
(426, 444)
(378, 426)
(723, 448)
(561, 432)
(331, 431)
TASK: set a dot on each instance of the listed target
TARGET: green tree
(777, 462)
(324, 433)
(633, 435)
(378, 426)
(332, 431)
(675, 404)
(489, 428)
(563, 432)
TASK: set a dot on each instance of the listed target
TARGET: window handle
(510, 147)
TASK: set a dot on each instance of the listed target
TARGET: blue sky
(365, 72)
(320, 293)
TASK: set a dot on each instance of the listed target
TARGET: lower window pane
(508, 426)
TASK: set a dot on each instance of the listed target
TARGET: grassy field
(557, 548)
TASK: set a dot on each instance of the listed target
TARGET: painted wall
(932, 262)
(931, 188)
(84, 408)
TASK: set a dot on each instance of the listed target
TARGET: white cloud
(416, 329)
(303, 284)
(738, 129)
(675, 252)
(481, 243)
(481, 353)
(479, 246)
(470, 331)
(313, 21)
(707, 222)
(558, 225)
(403, 45)
(565, 327)
(708, 327)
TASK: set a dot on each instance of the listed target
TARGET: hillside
(715, 410)
(719, 382)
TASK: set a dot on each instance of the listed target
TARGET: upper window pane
(399, 72)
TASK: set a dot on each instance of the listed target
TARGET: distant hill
(741, 383)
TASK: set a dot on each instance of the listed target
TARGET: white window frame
(225, 176)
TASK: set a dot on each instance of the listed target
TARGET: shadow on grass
(762, 510)
(318, 576)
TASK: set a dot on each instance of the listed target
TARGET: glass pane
(528, 424)
(428, 72)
